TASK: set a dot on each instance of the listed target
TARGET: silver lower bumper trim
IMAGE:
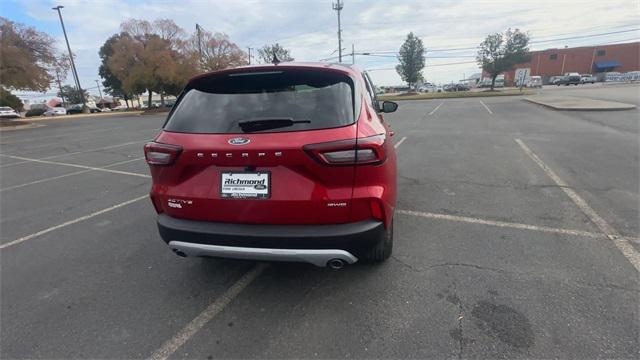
(317, 257)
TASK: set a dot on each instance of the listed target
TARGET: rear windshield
(312, 100)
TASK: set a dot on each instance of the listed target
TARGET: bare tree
(267, 52)
(27, 57)
(169, 31)
(136, 28)
(218, 51)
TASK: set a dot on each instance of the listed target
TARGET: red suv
(285, 162)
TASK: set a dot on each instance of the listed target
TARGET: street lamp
(73, 65)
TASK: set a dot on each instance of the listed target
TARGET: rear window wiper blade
(268, 123)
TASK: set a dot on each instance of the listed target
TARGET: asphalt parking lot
(516, 236)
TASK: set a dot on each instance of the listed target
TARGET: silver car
(55, 111)
(7, 112)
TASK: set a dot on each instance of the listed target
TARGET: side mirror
(389, 106)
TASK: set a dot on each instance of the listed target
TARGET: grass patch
(461, 94)
(156, 111)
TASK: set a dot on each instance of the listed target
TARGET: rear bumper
(315, 244)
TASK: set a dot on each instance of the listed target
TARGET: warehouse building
(598, 59)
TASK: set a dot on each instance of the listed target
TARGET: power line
(531, 42)
(473, 62)
(430, 66)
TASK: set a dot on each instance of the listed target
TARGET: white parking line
(78, 152)
(70, 222)
(400, 142)
(25, 140)
(436, 109)
(173, 344)
(621, 242)
(502, 224)
(486, 107)
(67, 175)
(76, 166)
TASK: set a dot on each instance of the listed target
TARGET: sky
(309, 27)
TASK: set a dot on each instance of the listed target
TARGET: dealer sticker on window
(245, 185)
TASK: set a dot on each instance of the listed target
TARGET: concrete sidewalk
(578, 104)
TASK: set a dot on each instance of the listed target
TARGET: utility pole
(199, 35)
(337, 6)
(100, 92)
(353, 54)
(249, 48)
(73, 65)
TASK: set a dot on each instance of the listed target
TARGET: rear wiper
(268, 123)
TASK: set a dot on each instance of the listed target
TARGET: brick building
(583, 60)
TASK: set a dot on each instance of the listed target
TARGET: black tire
(383, 249)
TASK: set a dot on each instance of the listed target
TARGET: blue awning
(606, 64)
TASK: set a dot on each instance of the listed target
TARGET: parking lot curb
(20, 127)
(465, 96)
(579, 104)
(84, 116)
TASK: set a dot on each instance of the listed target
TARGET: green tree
(411, 58)
(10, 100)
(152, 57)
(112, 85)
(72, 95)
(498, 53)
(266, 53)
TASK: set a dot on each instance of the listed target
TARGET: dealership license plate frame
(245, 195)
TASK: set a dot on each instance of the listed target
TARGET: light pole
(73, 65)
(100, 92)
(337, 6)
(60, 88)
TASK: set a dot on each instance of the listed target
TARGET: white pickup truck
(587, 78)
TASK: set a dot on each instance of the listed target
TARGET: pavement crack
(405, 264)
(460, 321)
(467, 265)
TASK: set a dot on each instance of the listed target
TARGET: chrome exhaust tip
(336, 264)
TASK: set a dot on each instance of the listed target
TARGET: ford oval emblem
(239, 141)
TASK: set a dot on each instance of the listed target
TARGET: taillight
(362, 151)
(161, 154)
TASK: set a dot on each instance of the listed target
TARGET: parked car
(35, 112)
(554, 80)
(534, 82)
(456, 87)
(587, 79)
(8, 113)
(55, 111)
(486, 83)
(120, 108)
(77, 109)
(288, 162)
(569, 79)
(428, 88)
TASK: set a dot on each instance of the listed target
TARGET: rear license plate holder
(245, 185)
